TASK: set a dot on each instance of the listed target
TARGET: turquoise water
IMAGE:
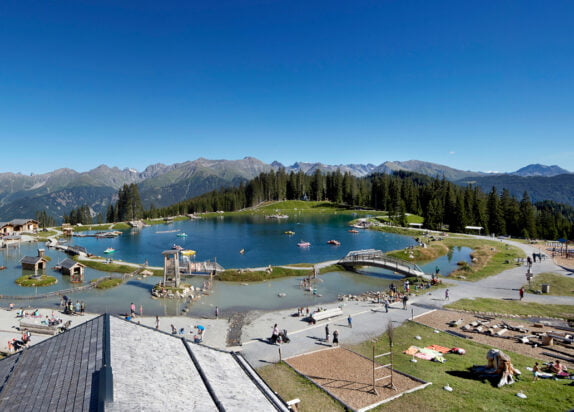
(265, 244)
(262, 239)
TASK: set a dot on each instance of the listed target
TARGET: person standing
(82, 307)
(335, 337)
(157, 322)
(141, 310)
(274, 334)
(405, 300)
(521, 293)
(327, 332)
(446, 295)
(217, 312)
(133, 308)
(387, 305)
(349, 322)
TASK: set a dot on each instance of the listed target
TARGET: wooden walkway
(376, 258)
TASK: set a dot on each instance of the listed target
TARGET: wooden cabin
(73, 269)
(34, 263)
(25, 225)
(67, 229)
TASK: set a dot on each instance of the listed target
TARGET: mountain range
(62, 190)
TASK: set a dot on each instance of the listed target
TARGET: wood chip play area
(348, 377)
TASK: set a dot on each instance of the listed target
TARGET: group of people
(551, 370)
(72, 309)
(335, 334)
(15, 345)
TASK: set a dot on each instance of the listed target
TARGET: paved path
(370, 320)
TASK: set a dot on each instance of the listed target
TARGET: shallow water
(265, 243)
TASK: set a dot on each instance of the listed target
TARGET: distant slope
(427, 168)
(540, 170)
(358, 170)
(557, 188)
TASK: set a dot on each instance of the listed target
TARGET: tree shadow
(469, 375)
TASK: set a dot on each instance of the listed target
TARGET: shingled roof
(70, 263)
(111, 364)
(32, 260)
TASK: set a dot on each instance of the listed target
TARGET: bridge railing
(377, 256)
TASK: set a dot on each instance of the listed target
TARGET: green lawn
(235, 275)
(29, 281)
(469, 394)
(514, 307)
(109, 283)
(107, 267)
(559, 285)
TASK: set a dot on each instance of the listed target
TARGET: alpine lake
(264, 242)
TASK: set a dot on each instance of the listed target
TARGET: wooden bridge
(376, 258)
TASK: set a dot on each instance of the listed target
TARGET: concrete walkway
(369, 320)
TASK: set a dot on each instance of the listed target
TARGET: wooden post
(392, 366)
(374, 387)
(280, 357)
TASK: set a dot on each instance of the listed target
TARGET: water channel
(264, 242)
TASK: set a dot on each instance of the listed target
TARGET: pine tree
(527, 217)
(496, 224)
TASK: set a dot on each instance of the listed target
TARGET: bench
(38, 328)
(326, 314)
(293, 404)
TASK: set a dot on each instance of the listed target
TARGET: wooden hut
(73, 269)
(67, 229)
(33, 263)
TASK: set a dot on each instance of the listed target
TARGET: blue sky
(474, 85)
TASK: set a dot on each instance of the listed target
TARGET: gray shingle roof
(56, 374)
(31, 260)
(69, 263)
(149, 369)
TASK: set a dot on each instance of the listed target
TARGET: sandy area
(560, 260)
(215, 329)
(439, 319)
(349, 376)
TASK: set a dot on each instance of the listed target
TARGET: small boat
(188, 252)
(289, 233)
(109, 250)
(303, 244)
(183, 234)
(276, 216)
(353, 231)
(242, 251)
(177, 247)
(2, 267)
(334, 242)
(282, 294)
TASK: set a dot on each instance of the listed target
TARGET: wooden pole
(374, 387)
(280, 357)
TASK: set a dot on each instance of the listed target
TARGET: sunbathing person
(557, 367)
